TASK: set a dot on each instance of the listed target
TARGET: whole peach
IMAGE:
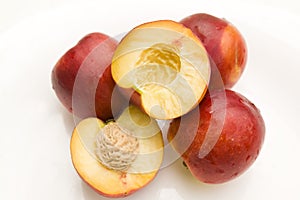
(226, 140)
(225, 45)
(82, 78)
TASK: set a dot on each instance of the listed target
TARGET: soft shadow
(187, 186)
(90, 194)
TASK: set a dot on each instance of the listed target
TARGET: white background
(35, 129)
(13, 11)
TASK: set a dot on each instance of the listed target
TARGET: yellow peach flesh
(111, 182)
(166, 64)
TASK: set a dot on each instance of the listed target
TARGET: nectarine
(221, 138)
(119, 157)
(225, 45)
(166, 67)
(82, 78)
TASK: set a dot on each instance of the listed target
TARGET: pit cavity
(116, 147)
(159, 63)
(161, 54)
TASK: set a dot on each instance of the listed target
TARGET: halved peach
(166, 65)
(119, 157)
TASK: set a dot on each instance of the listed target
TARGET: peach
(120, 157)
(225, 46)
(163, 67)
(82, 78)
(220, 139)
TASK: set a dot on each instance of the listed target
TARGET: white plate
(35, 129)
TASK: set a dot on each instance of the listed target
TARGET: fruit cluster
(178, 71)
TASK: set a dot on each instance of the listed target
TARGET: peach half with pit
(119, 157)
(162, 67)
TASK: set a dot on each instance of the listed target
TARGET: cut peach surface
(116, 164)
(166, 64)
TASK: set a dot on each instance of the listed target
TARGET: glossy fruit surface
(225, 45)
(82, 78)
(221, 138)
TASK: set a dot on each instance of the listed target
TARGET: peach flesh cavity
(166, 64)
(159, 63)
(161, 54)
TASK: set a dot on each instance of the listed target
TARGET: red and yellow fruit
(163, 67)
(82, 78)
(225, 46)
(221, 138)
(120, 157)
